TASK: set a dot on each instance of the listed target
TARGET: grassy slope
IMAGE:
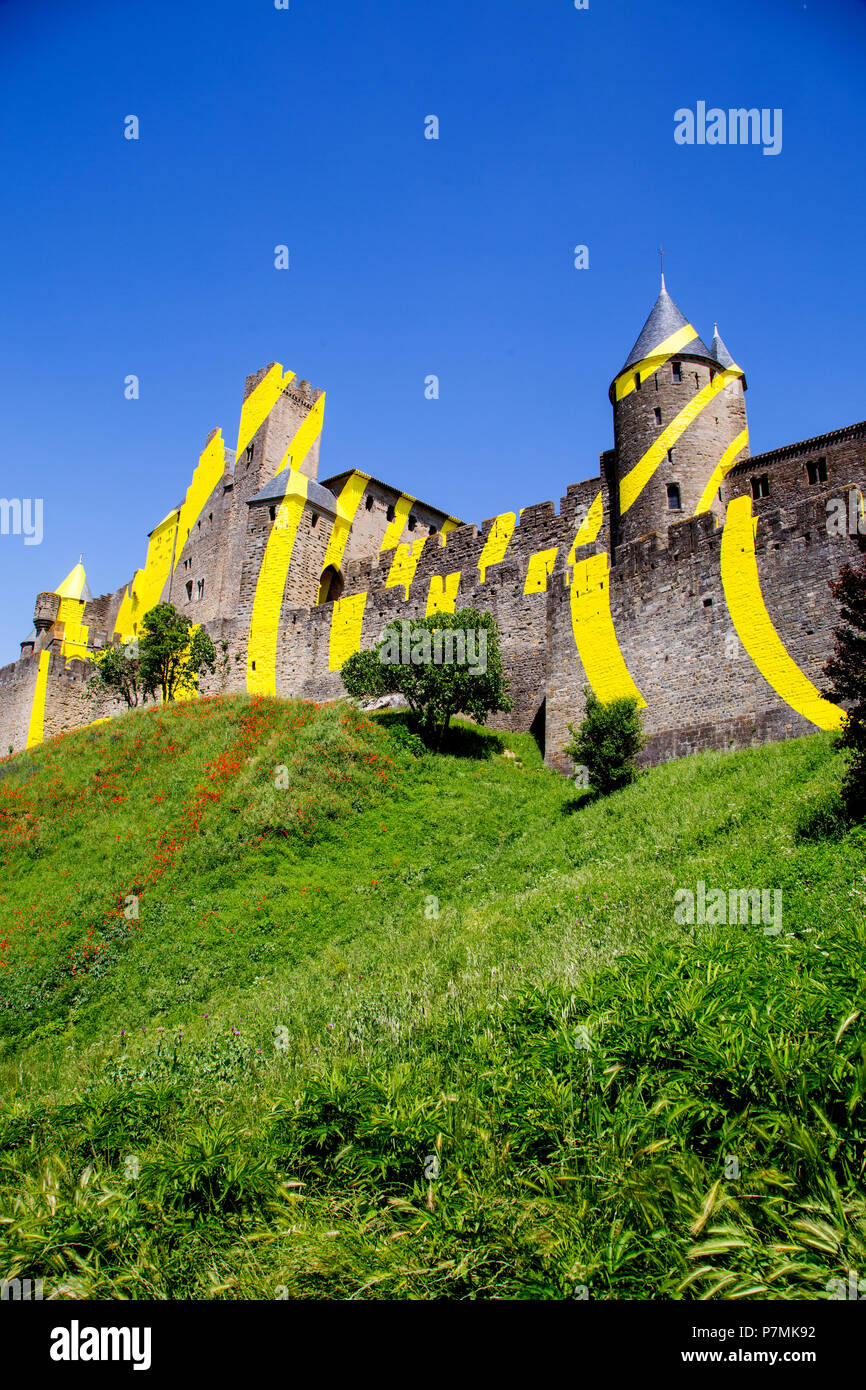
(235, 1093)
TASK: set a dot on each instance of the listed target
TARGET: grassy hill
(287, 1010)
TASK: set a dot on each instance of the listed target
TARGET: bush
(846, 670)
(607, 742)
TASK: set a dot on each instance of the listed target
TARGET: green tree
(607, 742)
(846, 671)
(446, 664)
(118, 672)
(173, 653)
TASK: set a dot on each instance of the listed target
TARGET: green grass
(246, 1013)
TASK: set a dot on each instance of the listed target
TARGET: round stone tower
(679, 420)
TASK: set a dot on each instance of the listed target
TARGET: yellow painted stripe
(404, 564)
(539, 569)
(754, 627)
(394, 529)
(724, 465)
(270, 587)
(442, 594)
(260, 402)
(588, 528)
(594, 634)
(446, 528)
(347, 505)
(304, 436)
(347, 621)
(634, 482)
(650, 364)
(35, 729)
(497, 542)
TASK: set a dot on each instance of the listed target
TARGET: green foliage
(173, 653)
(607, 742)
(118, 672)
(412, 659)
(387, 960)
(846, 671)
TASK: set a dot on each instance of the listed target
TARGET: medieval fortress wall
(687, 572)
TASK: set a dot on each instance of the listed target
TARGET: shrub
(846, 670)
(607, 742)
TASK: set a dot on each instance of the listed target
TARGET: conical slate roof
(719, 351)
(664, 321)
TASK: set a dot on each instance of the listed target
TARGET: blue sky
(407, 256)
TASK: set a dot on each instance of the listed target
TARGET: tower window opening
(677, 371)
(412, 522)
(761, 486)
(314, 517)
(670, 455)
(390, 514)
(674, 504)
(251, 449)
(432, 530)
(658, 415)
(817, 471)
(697, 378)
(637, 381)
(201, 588)
(272, 513)
(189, 588)
(368, 503)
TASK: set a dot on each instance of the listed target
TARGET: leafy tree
(173, 653)
(846, 670)
(446, 664)
(118, 672)
(607, 742)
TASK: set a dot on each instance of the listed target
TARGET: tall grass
(399, 1026)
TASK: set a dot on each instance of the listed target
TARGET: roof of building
(665, 319)
(389, 487)
(719, 351)
(287, 483)
(75, 584)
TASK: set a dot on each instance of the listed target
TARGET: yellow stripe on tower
(347, 621)
(754, 627)
(442, 594)
(305, 436)
(260, 402)
(539, 569)
(594, 634)
(394, 529)
(270, 586)
(404, 564)
(347, 505)
(36, 727)
(497, 542)
(634, 482)
(446, 528)
(666, 349)
(724, 465)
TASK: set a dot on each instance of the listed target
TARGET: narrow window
(670, 455)
(251, 449)
(314, 517)
(189, 588)
(674, 497)
(413, 522)
(201, 588)
(272, 513)
(637, 381)
(368, 503)
(390, 514)
(677, 370)
(817, 471)
(697, 379)
(761, 486)
(658, 415)
(432, 530)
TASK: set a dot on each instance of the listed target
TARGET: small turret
(678, 413)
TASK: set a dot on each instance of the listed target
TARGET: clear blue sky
(408, 256)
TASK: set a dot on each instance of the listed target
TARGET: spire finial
(662, 266)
